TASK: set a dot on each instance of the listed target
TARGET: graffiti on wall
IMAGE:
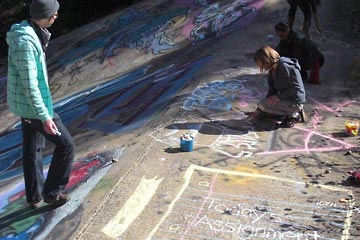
(121, 104)
(218, 18)
(160, 29)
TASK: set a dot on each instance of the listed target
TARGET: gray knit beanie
(40, 9)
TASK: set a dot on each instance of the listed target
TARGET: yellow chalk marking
(132, 208)
(232, 179)
(203, 183)
(174, 227)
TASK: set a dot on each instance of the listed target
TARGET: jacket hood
(20, 31)
(290, 61)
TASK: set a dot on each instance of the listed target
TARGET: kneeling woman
(286, 94)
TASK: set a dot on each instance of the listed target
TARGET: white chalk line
(192, 168)
(272, 201)
(265, 206)
(206, 229)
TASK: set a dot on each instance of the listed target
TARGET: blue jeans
(60, 168)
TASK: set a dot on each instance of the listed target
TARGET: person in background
(286, 93)
(29, 97)
(309, 10)
(315, 4)
(303, 49)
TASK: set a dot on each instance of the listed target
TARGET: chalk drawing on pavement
(161, 29)
(220, 95)
(17, 220)
(219, 17)
(234, 144)
(337, 144)
(252, 211)
(132, 208)
(134, 97)
(304, 139)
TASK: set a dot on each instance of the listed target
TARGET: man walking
(309, 9)
(29, 97)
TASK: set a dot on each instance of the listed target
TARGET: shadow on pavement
(172, 150)
(23, 214)
(240, 125)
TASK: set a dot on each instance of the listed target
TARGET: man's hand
(272, 100)
(50, 127)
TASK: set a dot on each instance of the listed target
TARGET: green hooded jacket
(28, 92)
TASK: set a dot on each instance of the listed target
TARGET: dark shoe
(57, 201)
(290, 122)
(36, 205)
(302, 115)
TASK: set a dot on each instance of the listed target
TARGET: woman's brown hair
(267, 56)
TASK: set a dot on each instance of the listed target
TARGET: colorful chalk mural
(165, 27)
(220, 95)
(120, 105)
(17, 219)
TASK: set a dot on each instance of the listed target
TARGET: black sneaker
(57, 201)
(289, 122)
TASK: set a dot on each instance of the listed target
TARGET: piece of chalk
(58, 133)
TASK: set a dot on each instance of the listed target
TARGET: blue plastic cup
(186, 145)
